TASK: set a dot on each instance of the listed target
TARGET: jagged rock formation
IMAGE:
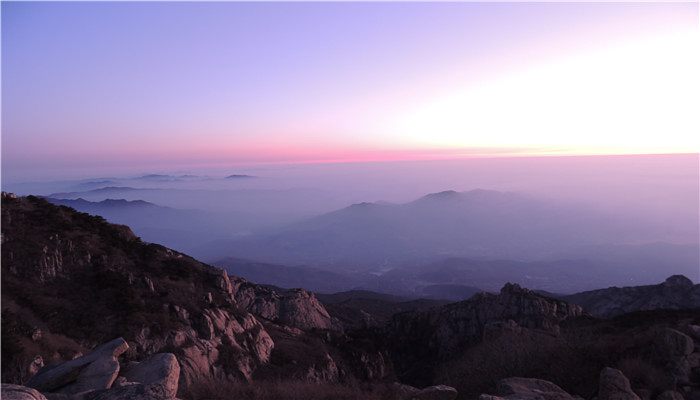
(676, 293)
(438, 334)
(297, 307)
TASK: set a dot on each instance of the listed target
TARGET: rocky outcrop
(527, 389)
(94, 371)
(297, 307)
(613, 385)
(676, 293)
(17, 392)
(161, 372)
(440, 333)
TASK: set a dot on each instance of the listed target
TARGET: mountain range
(71, 281)
(473, 224)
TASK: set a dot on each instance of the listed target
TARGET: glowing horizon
(90, 84)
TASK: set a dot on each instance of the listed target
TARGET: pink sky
(242, 83)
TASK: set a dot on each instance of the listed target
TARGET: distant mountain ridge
(82, 204)
(477, 223)
(107, 190)
(154, 223)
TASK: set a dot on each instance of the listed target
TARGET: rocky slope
(71, 281)
(676, 293)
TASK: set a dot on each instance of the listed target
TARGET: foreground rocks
(94, 371)
(17, 392)
(613, 385)
(438, 392)
(98, 376)
(527, 389)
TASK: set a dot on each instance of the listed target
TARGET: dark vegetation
(291, 390)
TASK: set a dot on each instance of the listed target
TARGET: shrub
(231, 389)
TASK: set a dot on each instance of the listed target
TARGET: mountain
(71, 281)
(676, 293)
(477, 224)
(173, 227)
(239, 176)
(103, 191)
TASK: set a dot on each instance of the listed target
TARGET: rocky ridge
(676, 293)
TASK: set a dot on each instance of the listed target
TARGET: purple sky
(170, 84)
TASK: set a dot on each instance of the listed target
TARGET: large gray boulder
(530, 389)
(17, 392)
(439, 392)
(614, 385)
(94, 371)
(160, 373)
(671, 344)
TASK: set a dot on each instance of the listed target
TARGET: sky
(90, 85)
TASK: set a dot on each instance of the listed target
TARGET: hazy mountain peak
(678, 281)
(239, 176)
(444, 195)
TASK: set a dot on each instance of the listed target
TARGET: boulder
(404, 391)
(694, 331)
(17, 392)
(671, 343)
(161, 371)
(530, 389)
(439, 392)
(99, 374)
(94, 371)
(614, 385)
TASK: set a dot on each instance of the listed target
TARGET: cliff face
(676, 293)
(71, 281)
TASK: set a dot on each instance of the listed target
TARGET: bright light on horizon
(630, 98)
